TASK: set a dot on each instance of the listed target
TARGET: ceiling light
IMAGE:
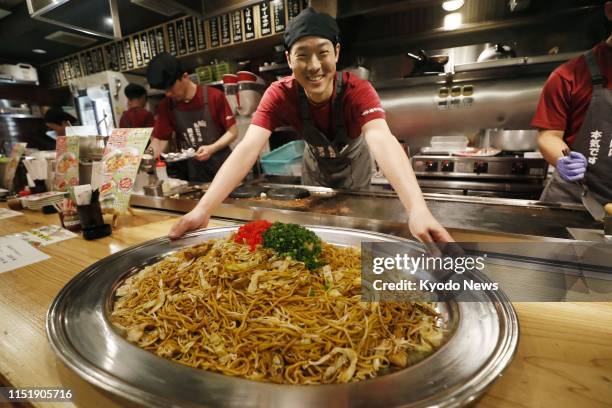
(452, 21)
(108, 21)
(452, 5)
(39, 51)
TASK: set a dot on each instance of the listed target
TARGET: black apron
(195, 128)
(338, 163)
(594, 141)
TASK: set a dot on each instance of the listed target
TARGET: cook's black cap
(58, 116)
(164, 70)
(311, 23)
(134, 91)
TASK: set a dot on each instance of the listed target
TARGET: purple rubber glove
(572, 167)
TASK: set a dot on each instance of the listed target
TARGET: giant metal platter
(481, 341)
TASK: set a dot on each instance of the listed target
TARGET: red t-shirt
(217, 104)
(567, 93)
(280, 106)
(137, 118)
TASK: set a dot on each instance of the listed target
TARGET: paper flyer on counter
(8, 213)
(43, 236)
(16, 253)
(120, 165)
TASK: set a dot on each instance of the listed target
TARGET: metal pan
(481, 342)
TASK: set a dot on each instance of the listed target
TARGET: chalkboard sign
(137, 50)
(62, 73)
(67, 69)
(214, 32)
(152, 44)
(278, 11)
(172, 46)
(129, 60)
(293, 8)
(200, 33)
(304, 4)
(181, 37)
(159, 39)
(57, 77)
(237, 26)
(265, 22)
(88, 63)
(121, 53)
(190, 31)
(249, 24)
(76, 64)
(98, 56)
(111, 57)
(226, 36)
(144, 48)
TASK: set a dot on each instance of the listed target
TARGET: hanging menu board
(144, 48)
(137, 50)
(111, 56)
(293, 8)
(304, 4)
(214, 32)
(67, 69)
(278, 12)
(172, 46)
(152, 44)
(128, 53)
(265, 21)
(236, 26)
(121, 53)
(100, 59)
(225, 29)
(181, 37)
(88, 62)
(200, 33)
(249, 26)
(159, 37)
(62, 74)
(191, 38)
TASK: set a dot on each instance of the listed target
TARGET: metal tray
(481, 342)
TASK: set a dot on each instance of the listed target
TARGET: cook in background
(199, 116)
(337, 114)
(136, 116)
(57, 120)
(575, 111)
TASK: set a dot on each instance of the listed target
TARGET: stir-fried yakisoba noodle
(220, 307)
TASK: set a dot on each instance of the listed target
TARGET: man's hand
(204, 153)
(425, 228)
(572, 167)
(193, 220)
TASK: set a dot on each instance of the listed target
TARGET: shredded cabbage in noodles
(217, 306)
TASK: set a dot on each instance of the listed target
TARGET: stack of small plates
(40, 200)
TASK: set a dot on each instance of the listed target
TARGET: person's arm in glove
(551, 144)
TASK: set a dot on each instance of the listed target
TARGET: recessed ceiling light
(108, 21)
(39, 51)
(452, 5)
(452, 21)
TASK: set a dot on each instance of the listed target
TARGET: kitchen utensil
(427, 64)
(247, 192)
(485, 330)
(497, 51)
(588, 201)
(512, 140)
(289, 193)
(478, 152)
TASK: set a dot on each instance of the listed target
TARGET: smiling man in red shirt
(340, 118)
(575, 112)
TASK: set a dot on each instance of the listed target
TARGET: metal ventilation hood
(101, 17)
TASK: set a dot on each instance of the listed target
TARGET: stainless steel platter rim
(459, 395)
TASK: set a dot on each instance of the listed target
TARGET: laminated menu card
(120, 165)
(66, 163)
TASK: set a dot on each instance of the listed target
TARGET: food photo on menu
(299, 203)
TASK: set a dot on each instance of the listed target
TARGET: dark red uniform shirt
(136, 118)
(567, 93)
(217, 103)
(280, 106)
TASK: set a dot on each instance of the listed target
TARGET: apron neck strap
(337, 104)
(596, 77)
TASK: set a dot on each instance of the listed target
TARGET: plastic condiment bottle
(160, 170)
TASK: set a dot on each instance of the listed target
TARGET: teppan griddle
(480, 342)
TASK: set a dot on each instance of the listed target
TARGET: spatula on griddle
(588, 201)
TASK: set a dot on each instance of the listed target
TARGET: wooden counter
(564, 357)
